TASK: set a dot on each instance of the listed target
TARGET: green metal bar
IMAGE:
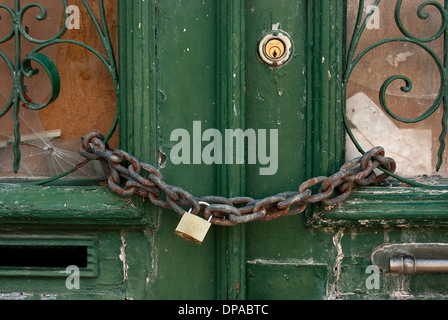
(17, 86)
(445, 102)
(359, 29)
(11, 32)
(10, 102)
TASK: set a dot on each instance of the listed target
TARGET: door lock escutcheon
(275, 48)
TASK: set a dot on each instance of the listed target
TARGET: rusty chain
(232, 211)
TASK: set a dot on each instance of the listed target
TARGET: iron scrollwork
(22, 68)
(422, 42)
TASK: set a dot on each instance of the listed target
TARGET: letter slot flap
(411, 258)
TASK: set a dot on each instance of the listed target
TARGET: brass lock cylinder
(275, 48)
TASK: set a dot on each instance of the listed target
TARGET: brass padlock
(193, 228)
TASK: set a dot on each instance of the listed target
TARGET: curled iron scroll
(52, 72)
(421, 42)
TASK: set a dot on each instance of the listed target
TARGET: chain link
(233, 211)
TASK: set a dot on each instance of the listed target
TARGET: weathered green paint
(276, 99)
(387, 206)
(88, 271)
(170, 64)
(185, 61)
(29, 205)
(282, 280)
(325, 56)
(231, 102)
(109, 283)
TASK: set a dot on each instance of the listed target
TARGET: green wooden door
(194, 66)
(191, 79)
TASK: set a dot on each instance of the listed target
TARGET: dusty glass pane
(415, 145)
(87, 101)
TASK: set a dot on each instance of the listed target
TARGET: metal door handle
(409, 265)
(411, 258)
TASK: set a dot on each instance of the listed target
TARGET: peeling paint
(275, 26)
(48, 296)
(154, 254)
(402, 288)
(334, 293)
(161, 159)
(122, 257)
(15, 296)
(287, 262)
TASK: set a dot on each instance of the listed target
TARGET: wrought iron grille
(27, 64)
(432, 15)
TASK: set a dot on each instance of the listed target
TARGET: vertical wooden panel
(168, 66)
(231, 105)
(325, 133)
(276, 100)
(138, 91)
